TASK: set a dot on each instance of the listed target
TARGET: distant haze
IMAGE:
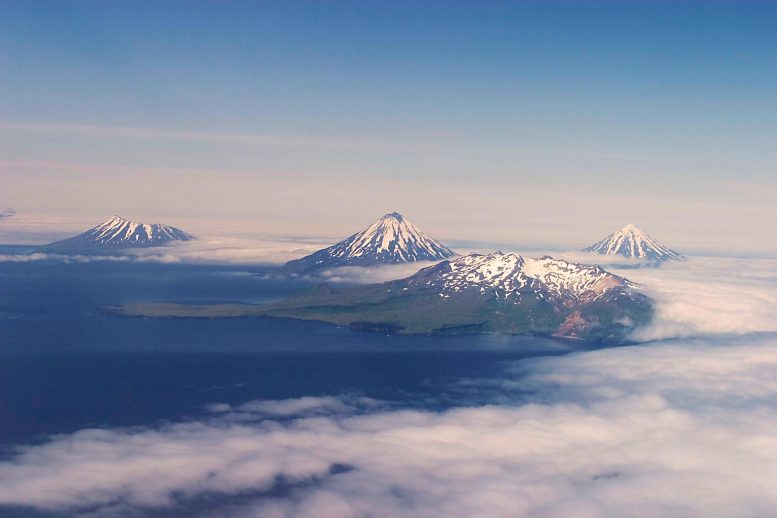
(532, 124)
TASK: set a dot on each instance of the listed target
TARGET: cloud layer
(673, 429)
(710, 295)
(205, 249)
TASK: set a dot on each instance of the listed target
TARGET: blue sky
(525, 122)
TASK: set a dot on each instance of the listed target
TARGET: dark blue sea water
(64, 365)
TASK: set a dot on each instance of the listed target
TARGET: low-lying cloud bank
(234, 249)
(206, 249)
(658, 430)
(66, 258)
(709, 295)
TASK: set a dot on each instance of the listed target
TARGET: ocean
(65, 365)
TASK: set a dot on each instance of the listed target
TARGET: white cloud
(372, 274)
(236, 250)
(206, 249)
(42, 256)
(232, 249)
(710, 295)
(296, 407)
(671, 429)
(605, 261)
(339, 143)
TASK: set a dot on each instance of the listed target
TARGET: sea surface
(65, 365)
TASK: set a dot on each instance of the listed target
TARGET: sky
(529, 123)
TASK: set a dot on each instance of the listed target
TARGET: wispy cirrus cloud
(346, 143)
(100, 167)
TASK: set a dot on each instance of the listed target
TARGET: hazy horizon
(19, 230)
(541, 124)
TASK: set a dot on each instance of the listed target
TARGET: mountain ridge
(499, 292)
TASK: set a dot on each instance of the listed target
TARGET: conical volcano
(630, 241)
(119, 233)
(392, 239)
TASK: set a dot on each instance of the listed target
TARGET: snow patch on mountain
(508, 274)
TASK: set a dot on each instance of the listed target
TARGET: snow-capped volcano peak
(117, 232)
(399, 237)
(118, 229)
(389, 240)
(630, 241)
(509, 274)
